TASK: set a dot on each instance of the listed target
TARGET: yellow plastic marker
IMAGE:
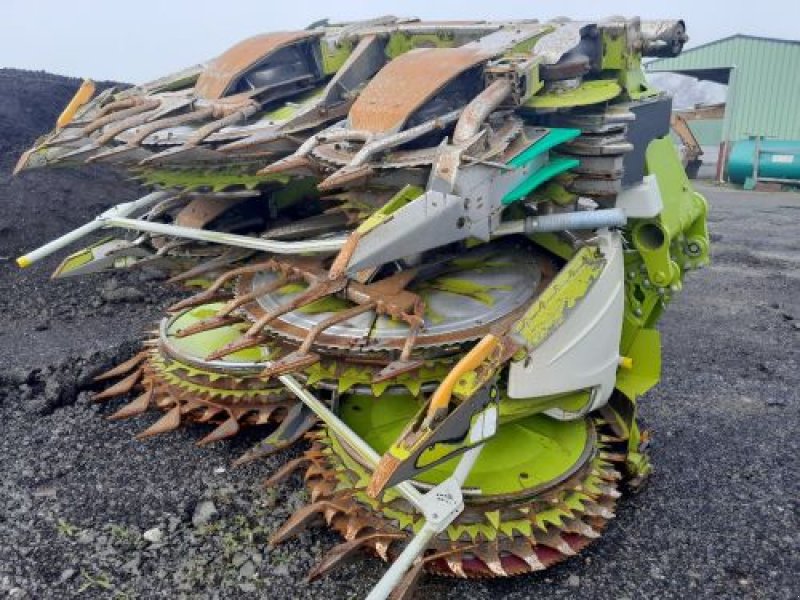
(81, 97)
(626, 362)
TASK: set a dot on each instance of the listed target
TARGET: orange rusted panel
(224, 70)
(403, 86)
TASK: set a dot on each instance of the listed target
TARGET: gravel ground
(86, 511)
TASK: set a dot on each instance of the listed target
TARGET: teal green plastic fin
(554, 167)
(552, 139)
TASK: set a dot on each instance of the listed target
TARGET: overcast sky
(139, 40)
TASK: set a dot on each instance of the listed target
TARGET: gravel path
(88, 512)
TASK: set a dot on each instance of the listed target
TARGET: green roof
(764, 82)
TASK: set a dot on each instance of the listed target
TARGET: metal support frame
(120, 216)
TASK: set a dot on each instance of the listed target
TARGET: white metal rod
(420, 542)
(397, 570)
(367, 453)
(121, 210)
(230, 239)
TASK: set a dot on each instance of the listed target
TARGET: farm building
(763, 79)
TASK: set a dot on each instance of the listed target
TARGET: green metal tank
(778, 159)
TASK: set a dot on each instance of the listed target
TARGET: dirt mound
(38, 206)
(30, 102)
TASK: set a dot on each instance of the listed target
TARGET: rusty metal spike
(120, 115)
(208, 325)
(397, 368)
(229, 428)
(581, 528)
(286, 470)
(298, 422)
(123, 386)
(287, 164)
(345, 175)
(315, 470)
(383, 545)
(355, 524)
(489, 555)
(302, 518)
(523, 549)
(225, 260)
(252, 295)
(169, 422)
(345, 551)
(188, 406)
(135, 408)
(208, 414)
(342, 259)
(291, 363)
(219, 282)
(455, 565)
(311, 294)
(322, 489)
(163, 123)
(199, 299)
(609, 490)
(263, 415)
(618, 457)
(243, 343)
(598, 510)
(123, 367)
(554, 540)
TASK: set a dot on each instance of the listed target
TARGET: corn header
(435, 252)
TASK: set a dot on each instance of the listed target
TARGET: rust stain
(403, 86)
(221, 72)
(201, 211)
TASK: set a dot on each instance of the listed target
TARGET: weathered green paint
(217, 181)
(589, 92)
(402, 42)
(290, 109)
(550, 309)
(79, 258)
(614, 52)
(398, 201)
(334, 56)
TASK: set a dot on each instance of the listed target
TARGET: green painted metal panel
(764, 86)
(707, 131)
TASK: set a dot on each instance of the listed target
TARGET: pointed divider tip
(135, 408)
(228, 428)
(121, 387)
(169, 422)
(123, 367)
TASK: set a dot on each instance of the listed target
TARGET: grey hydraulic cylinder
(585, 219)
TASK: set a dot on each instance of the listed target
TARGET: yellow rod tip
(625, 362)
(23, 261)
